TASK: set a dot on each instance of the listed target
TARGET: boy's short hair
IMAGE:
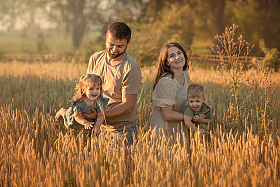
(119, 30)
(195, 90)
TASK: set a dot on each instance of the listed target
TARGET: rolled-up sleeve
(131, 82)
(90, 65)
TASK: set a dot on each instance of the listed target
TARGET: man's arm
(125, 107)
(93, 115)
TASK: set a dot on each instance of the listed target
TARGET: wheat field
(35, 151)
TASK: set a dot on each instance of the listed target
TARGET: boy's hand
(197, 117)
(200, 117)
(93, 115)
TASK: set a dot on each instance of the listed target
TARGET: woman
(170, 90)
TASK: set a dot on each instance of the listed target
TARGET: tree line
(155, 22)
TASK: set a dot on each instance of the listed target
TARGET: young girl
(88, 96)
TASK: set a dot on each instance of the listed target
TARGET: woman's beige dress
(169, 93)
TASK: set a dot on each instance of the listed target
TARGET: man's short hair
(195, 90)
(119, 30)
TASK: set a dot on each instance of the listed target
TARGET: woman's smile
(176, 58)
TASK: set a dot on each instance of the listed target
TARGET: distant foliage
(271, 56)
(174, 24)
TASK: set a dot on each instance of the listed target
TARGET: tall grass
(35, 151)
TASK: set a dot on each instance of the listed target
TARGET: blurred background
(78, 27)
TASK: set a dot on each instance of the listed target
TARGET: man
(121, 78)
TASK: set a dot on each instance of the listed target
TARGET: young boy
(196, 107)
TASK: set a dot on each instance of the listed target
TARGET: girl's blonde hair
(89, 80)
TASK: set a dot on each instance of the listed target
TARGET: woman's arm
(170, 115)
(164, 97)
(79, 118)
(190, 125)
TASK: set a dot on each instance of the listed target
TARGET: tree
(173, 24)
(73, 14)
(216, 15)
(207, 14)
(155, 6)
(257, 20)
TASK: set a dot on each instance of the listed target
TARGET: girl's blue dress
(78, 108)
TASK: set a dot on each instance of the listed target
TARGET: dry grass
(37, 152)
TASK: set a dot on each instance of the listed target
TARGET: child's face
(196, 102)
(92, 92)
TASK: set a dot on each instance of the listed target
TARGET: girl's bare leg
(59, 114)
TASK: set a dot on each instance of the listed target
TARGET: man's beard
(114, 56)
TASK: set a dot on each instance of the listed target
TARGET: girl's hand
(93, 115)
(97, 130)
(88, 125)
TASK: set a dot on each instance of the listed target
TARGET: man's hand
(93, 115)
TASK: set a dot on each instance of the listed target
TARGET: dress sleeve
(77, 108)
(165, 93)
(101, 104)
